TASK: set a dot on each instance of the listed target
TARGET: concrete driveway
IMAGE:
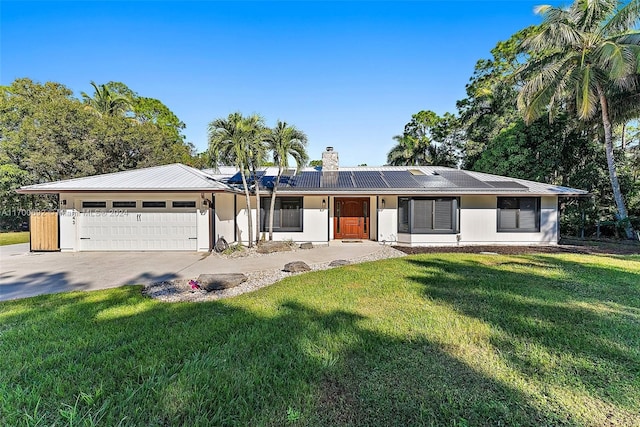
(24, 274)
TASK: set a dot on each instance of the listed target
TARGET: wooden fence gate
(44, 231)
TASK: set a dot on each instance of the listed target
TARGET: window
(94, 204)
(519, 214)
(183, 204)
(131, 204)
(426, 215)
(287, 215)
(154, 204)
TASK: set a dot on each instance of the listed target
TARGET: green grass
(12, 238)
(440, 339)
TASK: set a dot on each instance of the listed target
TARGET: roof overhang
(25, 190)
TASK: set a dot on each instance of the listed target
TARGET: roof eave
(118, 190)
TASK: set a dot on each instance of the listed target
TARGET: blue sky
(349, 74)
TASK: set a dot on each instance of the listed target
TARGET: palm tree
(232, 141)
(105, 101)
(582, 56)
(284, 141)
(256, 143)
(409, 151)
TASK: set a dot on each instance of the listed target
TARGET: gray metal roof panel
(173, 177)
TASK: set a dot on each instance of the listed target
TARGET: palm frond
(626, 17)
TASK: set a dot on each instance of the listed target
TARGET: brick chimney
(329, 160)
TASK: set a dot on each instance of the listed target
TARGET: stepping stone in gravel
(339, 263)
(217, 282)
(307, 245)
(296, 267)
(270, 247)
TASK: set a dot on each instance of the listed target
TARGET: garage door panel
(142, 231)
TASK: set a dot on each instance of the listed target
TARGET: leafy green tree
(409, 151)
(285, 141)
(427, 140)
(490, 105)
(581, 55)
(46, 134)
(143, 110)
(232, 141)
(106, 102)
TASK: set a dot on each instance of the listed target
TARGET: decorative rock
(270, 247)
(296, 267)
(307, 245)
(339, 263)
(217, 282)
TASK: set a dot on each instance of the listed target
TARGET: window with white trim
(124, 204)
(183, 204)
(93, 204)
(154, 204)
(422, 215)
(518, 214)
(287, 215)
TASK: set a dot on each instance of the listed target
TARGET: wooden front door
(351, 218)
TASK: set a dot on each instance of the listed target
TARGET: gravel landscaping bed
(180, 290)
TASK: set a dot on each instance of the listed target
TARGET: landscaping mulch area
(572, 247)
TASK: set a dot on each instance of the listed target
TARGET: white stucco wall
(224, 217)
(479, 219)
(478, 226)
(388, 220)
(315, 219)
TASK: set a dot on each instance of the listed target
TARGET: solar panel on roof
(237, 178)
(507, 184)
(434, 181)
(369, 179)
(328, 179)
(400, 179)
(305, 180)
(345, 180)
(267, 181)
(462, 179)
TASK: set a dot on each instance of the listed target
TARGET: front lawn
(11, 238)
(436, 339)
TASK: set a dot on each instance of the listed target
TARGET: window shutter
(528, 214)
(290, 214)
(422, 215)
(508, 219)
(443, 215)
(403, 215)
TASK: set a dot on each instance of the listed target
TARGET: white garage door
(138, 231)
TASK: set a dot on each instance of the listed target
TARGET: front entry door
(351, 218)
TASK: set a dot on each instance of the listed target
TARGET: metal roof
(410, 180)
(173, 177)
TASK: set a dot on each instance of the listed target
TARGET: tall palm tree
(409, 151)
(285, 141)
(232, 141)
(107, 102)
(257, 147)
(581, 56)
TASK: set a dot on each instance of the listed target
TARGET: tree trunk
(249, 222)
(258, 210)
(272, 208)
(613, 176)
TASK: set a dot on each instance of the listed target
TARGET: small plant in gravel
(233, 249)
